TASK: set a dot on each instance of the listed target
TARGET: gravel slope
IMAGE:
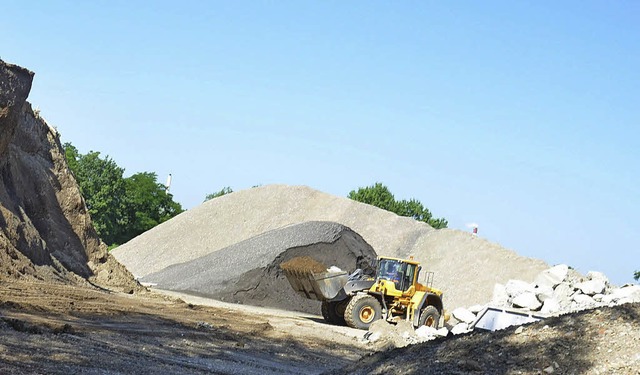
(238, 216)
(466, 267)
(249, 272)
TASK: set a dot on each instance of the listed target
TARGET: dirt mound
(601, 341)
(466, 267)
(249, 272)
(46, 232)
(305, 265)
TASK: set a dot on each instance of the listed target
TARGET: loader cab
(403, 274)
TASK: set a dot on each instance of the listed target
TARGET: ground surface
(62, 329)
(601, 341)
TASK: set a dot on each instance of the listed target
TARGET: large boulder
(592, 287)
(527, 300)
(552, 276)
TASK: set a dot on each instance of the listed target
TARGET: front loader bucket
(318, 286)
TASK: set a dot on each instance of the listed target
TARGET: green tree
(147, 204)
(103, 188)
(380, 196)
(636, 275)
(376, 195)
(120, 208)
(224, 191)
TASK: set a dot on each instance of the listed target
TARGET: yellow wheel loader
(358, 300)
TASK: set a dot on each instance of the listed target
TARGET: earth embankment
(45, 230)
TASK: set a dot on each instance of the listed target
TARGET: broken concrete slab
(517, 287)
(552, 276)
(584, 300)
(562, 294)
(500, 296)
(543, 292)
(595, 275)
(592, 287)
(550, 306)
(463, 315)
(460, 328)
(527, 300)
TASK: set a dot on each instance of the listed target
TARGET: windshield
(388, 269)
(400, 273)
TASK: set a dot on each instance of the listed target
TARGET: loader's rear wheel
(332, 313)
(361, 311)
(429, 317)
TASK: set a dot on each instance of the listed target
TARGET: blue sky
(523, 117)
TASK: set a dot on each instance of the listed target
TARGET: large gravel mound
(249, 272)
(466, 267)
(238, 216)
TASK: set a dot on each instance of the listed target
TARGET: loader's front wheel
(429, 317)
(331, 312)
(362, 310)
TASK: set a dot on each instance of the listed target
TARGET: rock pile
(555, 291)
(561, 289)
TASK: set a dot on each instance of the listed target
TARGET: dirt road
(56, 329)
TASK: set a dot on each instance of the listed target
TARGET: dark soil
(600, 341)
(304, 265)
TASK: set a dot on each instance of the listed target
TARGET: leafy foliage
(636, 275)
(380, 196)
(120, 208)
(225, 190)
(147, 203)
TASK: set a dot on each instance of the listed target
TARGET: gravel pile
(466, 267)
(249, 271)
(235, 217)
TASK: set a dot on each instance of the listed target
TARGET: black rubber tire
(362, 310)
(324, 308)
(429, 317)
(331, 313)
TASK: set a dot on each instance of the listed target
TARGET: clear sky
(521, 116)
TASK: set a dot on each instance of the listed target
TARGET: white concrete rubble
(460, 328)
(591, 287)
(500, 297)
(517, 287)
(464, 315)
(527, 300)
(552, 276)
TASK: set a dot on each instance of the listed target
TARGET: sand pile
(466, 267)
(249, 272)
